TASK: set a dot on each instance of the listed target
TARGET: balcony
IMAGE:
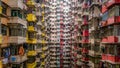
(104, 9)
(111, 58)
(31, 53)
(31, 3)
(84, 50)
(32, 41)
(18, 20)
(43, 56)
(84, 5)
(85, 13)
(85, 40)
(43, 5)
(85, 59)
(17, 39)
(39, 50)
(18, 59)
(113, 20)
(79, 63)
(79, 56)
(75, 54)
(43, 42)
(93, 53)
(84, 23)
(85, 33)
(38, 13)
(43, 13)
(32, 29)
(17, 4)
(43, 34)
(31, 18)
(37, 59)
(4, 40)
(110, 39)
(109, 3)
(39, 23)
(79, 20)
(53, 66)
(104, 23)
(31, 65)
(44, 48)
(43, 63)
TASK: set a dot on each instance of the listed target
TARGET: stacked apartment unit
(54, 40)
(42, 47)
(31, 34)
(94, 33)
(14, 28)
(61, 22)
(74, 33)
(85, 33)
(21, 23)
(100, 33)
(110, 33)
(79, 37)
(59, 33)
(90, 33)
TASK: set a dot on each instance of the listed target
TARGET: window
(118, 50)
(14, 50)
(13, 32)
(17, 30)
(31, 35)
(118, 31)
(4, 9)
(31, 59)
(4, 29)
(24, 32)
(31, 24)
(31, 47)
(16, 13)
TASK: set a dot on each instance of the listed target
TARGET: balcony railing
(84, 50)
(18, 59)
(31, 53)
(110, 58)
(17, 39)
(18, 20)
(85, 40)
(31, 18)
(85, 59)
(31, 65)
(31, 3)
(109, 3)
(113, 20)
(17, 4)
(111, 39)
(85, 33)
(104, 8)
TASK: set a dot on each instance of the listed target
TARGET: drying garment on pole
(21, 51)
(5, 60)
(6, 52)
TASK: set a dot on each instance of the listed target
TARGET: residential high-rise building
(59, 33)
